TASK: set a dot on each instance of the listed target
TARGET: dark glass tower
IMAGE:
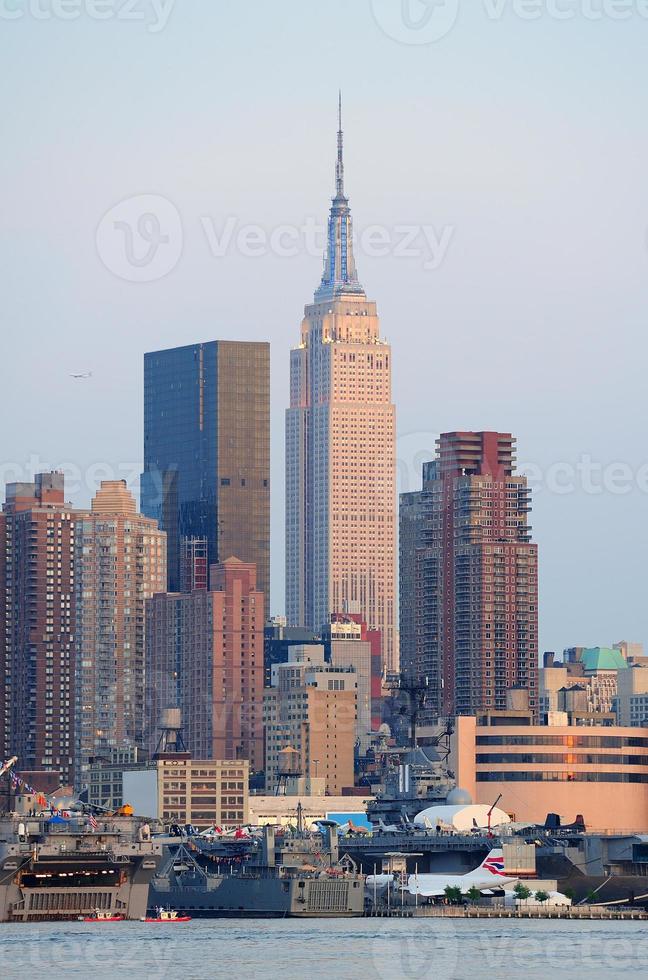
(207, 452)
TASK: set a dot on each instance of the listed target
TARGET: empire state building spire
(340, 277)
(339, 167)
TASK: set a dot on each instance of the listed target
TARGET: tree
(473, 894)
(453, 894)
(522, 892)
(542, 897)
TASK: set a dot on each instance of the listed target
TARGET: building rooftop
(603, 658)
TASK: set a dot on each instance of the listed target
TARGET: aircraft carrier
(53, 868)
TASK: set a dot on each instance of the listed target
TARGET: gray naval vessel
(294, 875)
(52, 868)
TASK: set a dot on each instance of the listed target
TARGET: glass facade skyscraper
(207, 452)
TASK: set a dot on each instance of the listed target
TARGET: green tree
(453, 894)
(473, 894)
(522, 892)
(542, 897)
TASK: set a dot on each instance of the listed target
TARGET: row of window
(568, 741)
(564, 759)
(562, 777)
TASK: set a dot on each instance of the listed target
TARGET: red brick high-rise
(38, 610)
(205, 656)
(469, 577)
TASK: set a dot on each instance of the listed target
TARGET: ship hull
(225, 896)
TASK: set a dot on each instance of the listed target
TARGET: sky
(165, 176)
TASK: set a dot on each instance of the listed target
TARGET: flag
(92, 820)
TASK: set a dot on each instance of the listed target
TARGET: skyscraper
(205, 656)
(340, 451)
(120, 562)
(38, 638)
(469, 577)
(207, 452)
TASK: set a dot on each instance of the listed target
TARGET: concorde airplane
(488, 877)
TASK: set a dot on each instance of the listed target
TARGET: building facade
(469, 577)
(340, 452)
(205, 656)
(600, 772)
(120, 560)
(592, 671)
(631, 702)
(180, 790)
(312, 709)
(105, 780)
(278, 638)
(207, 452)
(37, 642)
(348, 643)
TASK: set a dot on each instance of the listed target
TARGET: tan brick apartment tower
(120, 562)
(205, 656)
(37, 535)
(469, 577)
(340, 452)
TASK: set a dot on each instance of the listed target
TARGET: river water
(441, 949)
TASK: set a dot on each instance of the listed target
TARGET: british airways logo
(495, 866)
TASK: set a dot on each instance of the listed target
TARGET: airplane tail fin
(493, 862)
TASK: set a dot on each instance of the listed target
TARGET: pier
(475, 912)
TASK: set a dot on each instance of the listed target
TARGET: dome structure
(459, 797)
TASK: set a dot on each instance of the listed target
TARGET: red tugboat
(166, 915)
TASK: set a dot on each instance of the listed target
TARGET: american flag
(92, 820)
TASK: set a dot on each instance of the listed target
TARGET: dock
(591, 912)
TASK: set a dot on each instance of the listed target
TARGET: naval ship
(296, 875)
(53, 868)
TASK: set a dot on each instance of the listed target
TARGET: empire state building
(341, 451)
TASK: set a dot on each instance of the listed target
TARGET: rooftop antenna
(339, 167)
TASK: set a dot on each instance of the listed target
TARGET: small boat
(166, 915)
(99, 915)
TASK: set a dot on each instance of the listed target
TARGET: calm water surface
(443, 949)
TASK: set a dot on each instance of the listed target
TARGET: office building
(599, 771)
(278, 638)
(207, 453)
(311, 710)
(469, 578)
(340, 452)
(120, 561)
(588, 673)
(348, 643)
(631, 702)
(205, 657)
(177, 789)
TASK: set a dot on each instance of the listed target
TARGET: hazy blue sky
(517, 145)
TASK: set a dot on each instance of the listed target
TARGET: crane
(6, 766)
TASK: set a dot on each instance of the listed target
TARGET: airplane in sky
(81, 377)
(488, 876)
